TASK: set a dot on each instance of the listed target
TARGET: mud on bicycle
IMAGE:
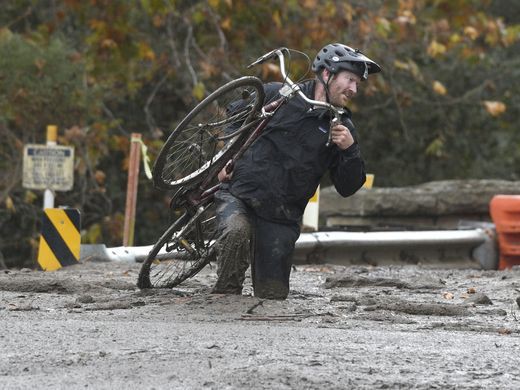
(213, 136)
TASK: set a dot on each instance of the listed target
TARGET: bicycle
(213, 136)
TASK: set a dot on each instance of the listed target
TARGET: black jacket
(282, 169)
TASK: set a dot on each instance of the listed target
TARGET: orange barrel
(505, 212)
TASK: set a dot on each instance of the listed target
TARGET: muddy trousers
(246, 239)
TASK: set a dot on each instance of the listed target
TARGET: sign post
(50, 168)
(48, 195)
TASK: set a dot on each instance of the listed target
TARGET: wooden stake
(131, 190)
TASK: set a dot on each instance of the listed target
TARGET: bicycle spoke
(187, 246)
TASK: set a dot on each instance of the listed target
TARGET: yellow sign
(369, 182)
(60, 240)
(48, 167)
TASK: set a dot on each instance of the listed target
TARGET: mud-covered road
(87, 326)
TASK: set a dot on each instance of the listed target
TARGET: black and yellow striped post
(60, 240)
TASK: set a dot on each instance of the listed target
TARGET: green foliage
(40, 84)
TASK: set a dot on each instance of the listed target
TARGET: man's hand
(224, 175)
(341, 136)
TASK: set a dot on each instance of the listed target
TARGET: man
(260, 206)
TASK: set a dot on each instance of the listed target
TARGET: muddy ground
(87, 326)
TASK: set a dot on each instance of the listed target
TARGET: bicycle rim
(199, 142)
(181, 252)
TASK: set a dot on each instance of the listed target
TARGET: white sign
(48, 167)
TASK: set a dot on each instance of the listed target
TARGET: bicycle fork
(193, 219)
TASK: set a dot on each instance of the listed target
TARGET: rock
(479, 299)
(347, 280)
(72, 305)
(518, 301)
(423, 309)
(85, 299)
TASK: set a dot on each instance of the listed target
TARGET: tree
(444, 106)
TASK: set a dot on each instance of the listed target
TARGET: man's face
(343, 87)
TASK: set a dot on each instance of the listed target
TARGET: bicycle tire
(188, 247)
(199, 145)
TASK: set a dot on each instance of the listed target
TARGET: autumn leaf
(471, 32)
(75, 133)
(406, 17)
(494, 108)
(198, 91)
(349, 12)
(455, 38)
(439, 88)
(214, 3)
(311, 4)
(39, 63)
(383, 27)
(365, 28)
(100, 177)
(226, 24)
(9, 204)
(277, 19)
(208, 69)
(93, 234)
(157, 20)
(30, 197)
(108, 43)
(435, 148)
(146, 52)
(5, 34)
(401, 65)
(435, 49)
(270, 70)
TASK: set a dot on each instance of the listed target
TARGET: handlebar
(291, 88)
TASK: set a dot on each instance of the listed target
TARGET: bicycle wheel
(206, 135)
(182, 251)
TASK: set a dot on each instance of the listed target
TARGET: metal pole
(131, 191)
(48, 195)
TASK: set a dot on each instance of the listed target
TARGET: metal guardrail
(468, 247)
(474, 247)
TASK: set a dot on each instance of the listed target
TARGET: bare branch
(107, 111)
(149, 117)
(11, 178)
(187, 43)
(27, 12)
(199, 51)
(221, 35)
(172, 42)
(398, 106)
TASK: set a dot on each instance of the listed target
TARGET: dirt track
(342, 327)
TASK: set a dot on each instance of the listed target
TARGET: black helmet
(336, 56)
